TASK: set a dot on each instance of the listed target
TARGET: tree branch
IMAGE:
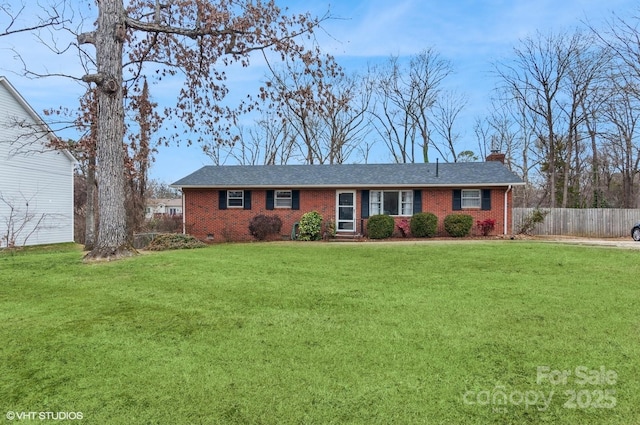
(54, 19)
(87, 38)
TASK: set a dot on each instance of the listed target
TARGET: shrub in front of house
(330, 229)
(486, 226)
(380, 226)
(404, 227)
(530, 221)
(424, 225)
(167, 241)
(458, 225)
(263, 227)
(310, 226)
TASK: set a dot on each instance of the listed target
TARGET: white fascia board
(348, 186)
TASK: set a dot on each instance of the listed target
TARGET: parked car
(635, 232)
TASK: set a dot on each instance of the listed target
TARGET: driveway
(626, 242)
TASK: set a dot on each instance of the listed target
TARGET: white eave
(350, 186)
(32, 113)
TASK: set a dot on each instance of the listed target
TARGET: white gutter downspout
(506, 210)
(184, 223)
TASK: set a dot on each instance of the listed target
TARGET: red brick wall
(203, 217)
(440, 202)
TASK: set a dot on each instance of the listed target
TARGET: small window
(471, 198)
(282, 199)
(235, 198)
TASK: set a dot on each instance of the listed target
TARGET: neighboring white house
(163, 207)
(36, 182)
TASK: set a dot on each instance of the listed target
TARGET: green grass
(319, 333)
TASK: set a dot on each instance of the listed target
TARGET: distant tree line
(564, 110)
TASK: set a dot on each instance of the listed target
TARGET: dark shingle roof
(489, 173)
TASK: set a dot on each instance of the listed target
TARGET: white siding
(37, 181)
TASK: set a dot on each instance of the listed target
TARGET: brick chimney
(496, 155)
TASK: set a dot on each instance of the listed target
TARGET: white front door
(346, 211)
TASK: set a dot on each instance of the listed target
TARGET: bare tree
(405, 97)
(159, 189)
(346, 117)
(299, 99)
(140, 154)
(586, 74)
(621, 37)
(192, 38)
(445, 116)
(271, 141)
(622, 110)
(537, 79)
(326, 109)
(52, 16)
(510, 128)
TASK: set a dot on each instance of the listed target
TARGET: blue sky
(470, 34)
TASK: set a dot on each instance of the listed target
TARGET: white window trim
(289, 199)
(229, 198)
(377, 206)
(476, 199)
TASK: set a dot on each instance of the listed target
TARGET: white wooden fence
(592, 222)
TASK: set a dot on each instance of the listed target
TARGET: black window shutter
(365, 204)
(457, 200)
(417, 201)
(486, 199)
(222, 199)
(295, 199)
(270, 194)
(247, 199)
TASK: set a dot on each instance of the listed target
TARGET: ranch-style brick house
(220, 201)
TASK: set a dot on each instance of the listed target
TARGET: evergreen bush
(310, 226)
(424, 225)
(380, 226)
(458, 225)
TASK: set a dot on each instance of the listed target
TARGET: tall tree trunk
(109, 38)
(552, 169)
(595, 172)
(567, 169)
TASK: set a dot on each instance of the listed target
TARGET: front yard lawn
(464, 332)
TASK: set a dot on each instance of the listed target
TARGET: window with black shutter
(364, 195)
(295, 199)
(457, 200)
(270, 194)
(486, 199)
(247, 199)
(417, 201)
